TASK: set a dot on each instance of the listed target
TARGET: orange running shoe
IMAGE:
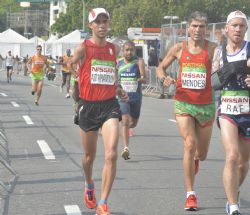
(191, 203)
(196, 166)
(102, 210)
(89, 198)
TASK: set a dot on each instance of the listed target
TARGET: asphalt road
(44, 149)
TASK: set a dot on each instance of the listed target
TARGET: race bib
(102, 72)
(193, 76)
(129, 86)
(234, 102)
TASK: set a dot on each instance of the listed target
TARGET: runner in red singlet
(98, 106)
(194, 100)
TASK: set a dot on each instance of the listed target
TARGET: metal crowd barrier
(153, 85)
(5, 184)
(2, 65)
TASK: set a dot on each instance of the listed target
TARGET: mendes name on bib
(193, 76)
(234, 102)
(102, 72)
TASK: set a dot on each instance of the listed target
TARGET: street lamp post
(184, 23)
(84, 3)
(25, 5)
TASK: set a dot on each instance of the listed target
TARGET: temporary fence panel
(7, 174)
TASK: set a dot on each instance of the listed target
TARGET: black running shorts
(8, 68)
(92, 115)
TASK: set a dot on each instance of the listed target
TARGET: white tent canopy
(59, 46)
(37, 40)
(10, 36)
(73, 37)
(52, 38)
(16, 43)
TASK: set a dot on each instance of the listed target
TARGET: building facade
(56, 7)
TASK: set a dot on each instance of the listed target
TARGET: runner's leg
(89, 143)
(125, 127)
(204, 137)
(110, 130)
(230, 141)
(187, 130)
(244, 157)
(39, 89)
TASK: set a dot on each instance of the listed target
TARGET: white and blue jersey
(234, 100)
(128, 74)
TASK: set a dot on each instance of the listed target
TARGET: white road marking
(172, 120)
(72, 210)
(48, 154)
(15, 104)
(53, 85)
(3, 94)
(28, 120)
(26, 153)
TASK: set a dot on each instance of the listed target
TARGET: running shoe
(228, 210)
(125, 153)
(236, 213)
(36, 103)
(32, 92)
(228, 206)
(162, 96)
(89, 198)
(67, 96)
(196, 166)
(102, 210)
(191, 203)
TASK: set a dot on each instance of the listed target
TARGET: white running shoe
(67, 96)
(125, 153)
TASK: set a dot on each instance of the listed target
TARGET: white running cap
(94, 13)
(236, 14)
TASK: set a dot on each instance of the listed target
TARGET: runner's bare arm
(48, 68)
(29, 65)
(142, 69)
(78, 57)
(173, 54)
(216, 59)
(117, 50)
(247, 80)
(119, 91)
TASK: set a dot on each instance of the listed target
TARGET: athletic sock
(101, 202)
(89, 186)
(190, 193)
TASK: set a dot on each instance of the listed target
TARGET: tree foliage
(131, 13)
(147, 13)
(8, 6)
